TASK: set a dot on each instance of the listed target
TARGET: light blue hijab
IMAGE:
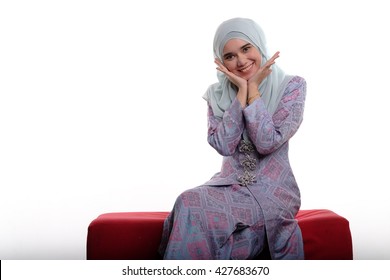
(220, 95)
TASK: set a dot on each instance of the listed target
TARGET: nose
(240, 60)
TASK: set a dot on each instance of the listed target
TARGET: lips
(246, 68)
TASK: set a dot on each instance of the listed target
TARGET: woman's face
(241, 58)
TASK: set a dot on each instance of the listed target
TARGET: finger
(273, 58)
(218, 62)
(221, 69)
(268, 65)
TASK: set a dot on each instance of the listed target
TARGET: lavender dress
(252, 202)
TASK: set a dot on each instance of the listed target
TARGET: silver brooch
(246, 147)
(247, 179)
(249, 163)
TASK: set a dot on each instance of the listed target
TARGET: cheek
(229, 65)
(259, 60)
(257, 65)
(256, 56)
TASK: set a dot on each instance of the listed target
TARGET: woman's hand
(241, 83)
(263, 72)
(236, 80)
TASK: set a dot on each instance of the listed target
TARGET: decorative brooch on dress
(249, 163)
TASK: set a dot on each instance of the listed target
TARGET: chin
(247, 77)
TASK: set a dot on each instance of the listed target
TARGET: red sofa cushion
(326, 235)
(137, 235)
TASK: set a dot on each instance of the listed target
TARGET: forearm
(269, 132)
(242, 96)
(225, 134)
(253, 93)
(261, 130)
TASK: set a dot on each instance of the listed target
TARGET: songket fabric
(252, 202)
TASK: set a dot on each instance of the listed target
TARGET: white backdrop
(101, 111)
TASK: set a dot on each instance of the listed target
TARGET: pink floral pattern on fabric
(199, 250)
(216, 220)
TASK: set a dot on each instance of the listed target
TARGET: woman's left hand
(263, 72)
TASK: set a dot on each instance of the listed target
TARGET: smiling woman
(252, 202)
(239, 56)
(101, 111)
(243, 60)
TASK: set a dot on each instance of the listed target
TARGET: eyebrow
(243, 47)
(246, 45)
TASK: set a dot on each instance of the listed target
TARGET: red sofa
(136, 236)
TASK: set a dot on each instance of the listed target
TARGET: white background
(101, 110)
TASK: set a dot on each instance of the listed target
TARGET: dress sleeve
(224, 133)
(268, 133)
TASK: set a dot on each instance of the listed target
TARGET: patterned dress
(252, 202)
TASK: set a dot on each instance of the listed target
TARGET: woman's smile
(246, 68)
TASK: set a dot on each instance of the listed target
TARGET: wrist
(252, 98)
(253, 93)
(242, 96)
(253, 87)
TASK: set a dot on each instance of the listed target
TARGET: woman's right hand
(242, 84)
(236, 80)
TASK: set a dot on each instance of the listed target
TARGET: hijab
(220, 95)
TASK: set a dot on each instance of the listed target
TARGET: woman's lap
(214, 223)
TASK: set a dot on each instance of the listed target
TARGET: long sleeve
(268, 133)
(225, 134)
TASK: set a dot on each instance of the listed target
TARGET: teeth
(247, 68)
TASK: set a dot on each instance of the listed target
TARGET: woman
(251, 203)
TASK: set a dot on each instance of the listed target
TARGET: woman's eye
(229, 57)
